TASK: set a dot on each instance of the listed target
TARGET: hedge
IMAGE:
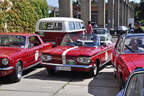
(22, 16)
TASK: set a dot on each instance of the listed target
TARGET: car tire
(17, 73)
(122, 83)
(50, 71)
(94, 71)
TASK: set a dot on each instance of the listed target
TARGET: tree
(23, 15)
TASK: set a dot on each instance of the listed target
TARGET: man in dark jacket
(138, 28)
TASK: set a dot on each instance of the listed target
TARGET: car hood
(135, 60)
(7, 52)
(72, 51)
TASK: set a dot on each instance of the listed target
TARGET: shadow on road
(104, 84)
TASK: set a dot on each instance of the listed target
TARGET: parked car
(19, 52)
(134, 85)
(128, 54)
(53, 29)
(120, 30)
(77, 53)
(104, 34)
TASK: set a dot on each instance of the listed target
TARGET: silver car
(104, 34)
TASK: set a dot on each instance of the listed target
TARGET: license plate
(63, 68)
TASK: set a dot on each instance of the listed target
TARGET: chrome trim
(105, 63)
(6, 69)
(32, 65)
(77, 66)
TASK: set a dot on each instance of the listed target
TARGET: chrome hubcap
(19, 71)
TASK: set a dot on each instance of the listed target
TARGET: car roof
(101, 28)
(135, 34)
(60, 19)
(22, 34)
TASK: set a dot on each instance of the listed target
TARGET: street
(36, 82)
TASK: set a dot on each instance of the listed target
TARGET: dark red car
(128, 55)
(19, 52)
(85, 53)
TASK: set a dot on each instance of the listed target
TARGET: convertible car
(128, 55)
(77, 53)
(19, 52)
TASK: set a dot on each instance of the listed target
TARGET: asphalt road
(36, 82)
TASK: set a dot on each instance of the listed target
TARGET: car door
(34, 48)
(116, 60)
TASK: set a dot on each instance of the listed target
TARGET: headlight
(46, 57)
(5, 61)
(84, 60)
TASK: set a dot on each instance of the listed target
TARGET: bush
(22, 16)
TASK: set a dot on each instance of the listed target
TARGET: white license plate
(63, 68)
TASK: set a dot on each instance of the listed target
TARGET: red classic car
(19, 52)
(77, 53)
(128, 55)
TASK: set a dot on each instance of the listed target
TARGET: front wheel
(17, 73)
(94, 71)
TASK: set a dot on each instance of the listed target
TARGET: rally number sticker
(106, 56)
(36, 55)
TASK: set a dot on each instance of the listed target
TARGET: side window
(71, 26)
(83, 25)
(34, 41)
(78, 25)
(50, 26)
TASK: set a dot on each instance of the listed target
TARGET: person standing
(89, 28)
(138, 28)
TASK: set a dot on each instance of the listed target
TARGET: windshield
(100, 31)
(133, 44)
(80, 40)
(12, 41)
(136, 85)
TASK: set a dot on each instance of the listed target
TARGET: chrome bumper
(75, 66)
(6, 69)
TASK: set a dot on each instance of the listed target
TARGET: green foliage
(23, 15)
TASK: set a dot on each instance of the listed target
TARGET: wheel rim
(95, 69)
(19, 71)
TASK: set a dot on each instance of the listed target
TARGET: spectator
(138, 28)
(89, 28)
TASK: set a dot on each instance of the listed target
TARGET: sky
(54, 3)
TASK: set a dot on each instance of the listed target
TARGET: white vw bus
(53, 29)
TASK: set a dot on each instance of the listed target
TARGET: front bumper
(6, 71)
(84, 68)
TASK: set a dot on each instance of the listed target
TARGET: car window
(34, 41)
(80, 40)
(100, 31)
(50, 26)
(134, 44)
(12, 41)
(78, 27)
(71, 26)
(136, 85)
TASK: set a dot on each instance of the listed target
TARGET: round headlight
(84, 60)
(5, 61)
(46, 57)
